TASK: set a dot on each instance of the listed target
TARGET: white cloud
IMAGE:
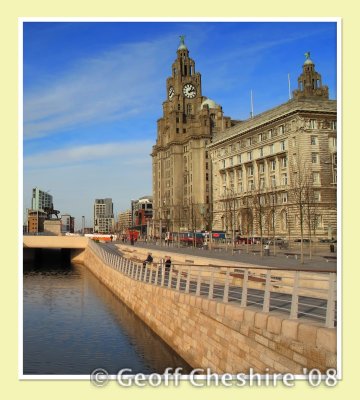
(110, 86)
(123, 151)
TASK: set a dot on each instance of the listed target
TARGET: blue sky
(93, 92)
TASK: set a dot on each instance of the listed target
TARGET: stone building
(275, 173)
(180, 159)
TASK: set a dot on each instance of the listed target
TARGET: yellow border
(10, 170)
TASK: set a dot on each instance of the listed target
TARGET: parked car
(304, 241)
(278, 241)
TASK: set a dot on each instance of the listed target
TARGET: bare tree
(300, 184)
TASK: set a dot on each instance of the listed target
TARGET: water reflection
(73, 324)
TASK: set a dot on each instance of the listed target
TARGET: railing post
(295, 297)
(178, 278)
(170, 277)
(156, 274)
(331, 308)
(245, 288)
(162, 272)
(146, 270)
(226, 286)
(266, 304)
(211, 285)
(187, 288)
(150, 273)
(198, 283)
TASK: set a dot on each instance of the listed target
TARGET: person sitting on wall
(149, 260)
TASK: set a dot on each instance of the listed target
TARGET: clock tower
(181, 164)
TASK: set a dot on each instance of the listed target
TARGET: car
(278, 241)
(304, 241)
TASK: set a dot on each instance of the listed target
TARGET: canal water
(73, 325)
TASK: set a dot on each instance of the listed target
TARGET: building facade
(181, 164)
(124, 221)
(103, 216)
(141, 211)
(275, 174)
(40, 200)
(67, 223)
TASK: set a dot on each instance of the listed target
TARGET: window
(283, 162)
(314, 140)
(249, 141)
(188, 109)
(184, 130)
(262, 183)
(270, 132)
(315, 158)
(334, 159)
(251, 185)
(282, 145)
(316, 177)
(179, 107)
(240, 173)
(272, 165)
(273, 181)
(250, 170)
(223, 163)
(240, 187)
(262, 168)
(261, 152)
(312, 124)
(317, 196)
(281, 129)
(284, 179)
(206, 154)
(249, 154)
(231, 161)
(207, 176)
(284, 198)
(177, 130)
(333, 125)
(239, 158)
(333, 142)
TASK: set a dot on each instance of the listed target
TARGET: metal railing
(297, 293)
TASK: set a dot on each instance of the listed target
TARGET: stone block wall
(223, 337)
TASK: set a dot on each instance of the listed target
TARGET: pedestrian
(148, 260)
(167, 263)
(111, 238)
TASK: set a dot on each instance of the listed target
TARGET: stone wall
(223, 337)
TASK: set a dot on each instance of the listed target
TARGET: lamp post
(83, 225)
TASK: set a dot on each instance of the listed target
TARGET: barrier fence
(298, 294)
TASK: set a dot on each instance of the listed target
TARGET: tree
(300, 188)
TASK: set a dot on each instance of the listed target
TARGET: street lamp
(83, 225)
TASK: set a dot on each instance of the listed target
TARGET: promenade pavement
(279, 260)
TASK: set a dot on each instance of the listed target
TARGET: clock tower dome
(181, 165)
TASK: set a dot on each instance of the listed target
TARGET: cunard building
(182, 187)
(276, 174)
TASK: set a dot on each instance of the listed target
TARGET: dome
(308, 62)
(182, 47)
(210, 103)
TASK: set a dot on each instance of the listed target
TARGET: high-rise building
(181, 163)
(40, 200)
(103, 216)
(276, 173)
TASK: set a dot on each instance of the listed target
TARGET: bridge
(226, 317)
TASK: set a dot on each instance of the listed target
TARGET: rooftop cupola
(310, 83)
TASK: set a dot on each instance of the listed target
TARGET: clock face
(189, 91)
(171, 92)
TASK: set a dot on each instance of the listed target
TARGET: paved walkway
(317, 263)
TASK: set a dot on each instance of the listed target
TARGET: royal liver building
(182, 189)
(274, 174)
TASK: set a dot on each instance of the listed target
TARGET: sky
(93, 91)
